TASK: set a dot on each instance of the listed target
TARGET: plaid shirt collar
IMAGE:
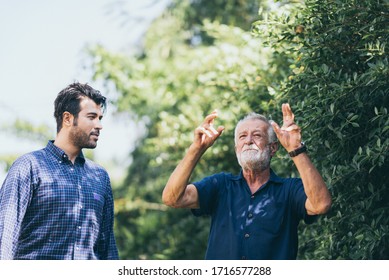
(61, 155)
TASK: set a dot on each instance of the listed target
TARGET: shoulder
(29, 160)
(26, 167)
(287, 181)
(217, 182)
(222, 176)
(95, 167)
(292, 186)
(291, 181)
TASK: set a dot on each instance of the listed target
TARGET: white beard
(252, 158)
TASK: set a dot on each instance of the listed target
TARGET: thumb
(220, 129)
(276, 127)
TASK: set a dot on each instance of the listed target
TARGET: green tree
(25, 130)
(340, 89)
(170, 87)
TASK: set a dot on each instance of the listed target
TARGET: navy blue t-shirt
(262, 225)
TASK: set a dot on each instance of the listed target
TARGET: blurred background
(164, 65)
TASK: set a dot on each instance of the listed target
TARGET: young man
(55, 203)
(254, 214)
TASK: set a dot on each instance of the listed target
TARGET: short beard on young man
(81, 139)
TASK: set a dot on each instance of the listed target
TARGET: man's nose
(248, 139)
(99, 125)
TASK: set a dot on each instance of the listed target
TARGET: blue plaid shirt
(51, 208)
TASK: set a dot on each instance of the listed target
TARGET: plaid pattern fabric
(51, 208)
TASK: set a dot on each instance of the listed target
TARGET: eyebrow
(94, 114)
(254, 131)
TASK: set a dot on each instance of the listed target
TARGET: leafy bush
(340, 90)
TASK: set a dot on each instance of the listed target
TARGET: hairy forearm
(318, 196)
(174, 191)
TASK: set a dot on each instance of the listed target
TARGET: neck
(62, 142)
(256, 178)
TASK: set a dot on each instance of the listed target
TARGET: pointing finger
(288, 116)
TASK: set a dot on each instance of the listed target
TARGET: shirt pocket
(269, 217)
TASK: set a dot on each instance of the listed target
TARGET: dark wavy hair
(68, 100)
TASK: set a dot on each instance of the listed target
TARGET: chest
(67, 187)
(266, 209)
(267, 203)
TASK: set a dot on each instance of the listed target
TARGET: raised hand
(206, 134)
(289, 134)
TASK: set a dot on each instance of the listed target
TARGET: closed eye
(258, 135)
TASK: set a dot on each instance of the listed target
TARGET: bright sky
(42, 50)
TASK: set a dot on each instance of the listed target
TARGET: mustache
(250, 147)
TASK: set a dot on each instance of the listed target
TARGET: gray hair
(272, 137)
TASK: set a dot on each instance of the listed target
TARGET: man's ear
(273, 148)
(67, 119)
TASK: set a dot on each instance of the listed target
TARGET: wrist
(299, 150)
(196, 150)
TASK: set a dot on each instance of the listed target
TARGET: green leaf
(378, 142)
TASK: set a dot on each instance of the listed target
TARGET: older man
(255, 214)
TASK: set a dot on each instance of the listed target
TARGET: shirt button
(80, 206)
(79, 187)
(252, 197)
(79, 227)
(250, 215)
(246, 235)
(71, 169)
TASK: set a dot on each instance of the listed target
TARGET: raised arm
(289, 135)
(177, 193)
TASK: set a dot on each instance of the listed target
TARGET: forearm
(318, 196)
(176, 186)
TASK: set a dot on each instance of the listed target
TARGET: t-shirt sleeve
(208, 190)
(298, 200)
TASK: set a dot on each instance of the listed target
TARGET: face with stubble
(86, 127)
(252, 147)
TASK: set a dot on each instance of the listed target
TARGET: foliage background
(328, 59)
